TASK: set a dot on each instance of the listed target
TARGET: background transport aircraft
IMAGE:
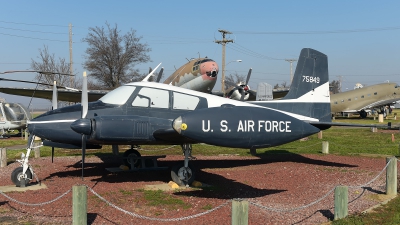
(13, 116)
(358, 100)
(198, 74)
(148, 113)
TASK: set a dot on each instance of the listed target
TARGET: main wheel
(181, 175)
(17, 176)
(130, 156)
(363, 114)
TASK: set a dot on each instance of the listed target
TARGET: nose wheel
(19, 178)
(182, 173)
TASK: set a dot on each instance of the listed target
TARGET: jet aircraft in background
(359, 100)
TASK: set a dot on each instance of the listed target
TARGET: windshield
(118, 96)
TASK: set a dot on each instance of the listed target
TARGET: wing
(63, 94)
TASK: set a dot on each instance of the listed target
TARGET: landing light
(177, 124)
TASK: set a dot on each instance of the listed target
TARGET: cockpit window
(183, 101)
(206, 60)
(152, 98)
(118, 96)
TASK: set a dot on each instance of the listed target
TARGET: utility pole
(223, 43)
(71, 69)
(291, 68)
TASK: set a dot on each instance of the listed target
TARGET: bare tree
(334, 86)
(234, 78)
(48, 63)
(111, 56)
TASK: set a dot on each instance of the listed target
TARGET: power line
(239, 48)
(31, 37)
(34, 31)
(319, 32)
(32, 24)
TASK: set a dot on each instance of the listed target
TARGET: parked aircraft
(358, 100)
(13, 116)
(148, 113)
(198, 74)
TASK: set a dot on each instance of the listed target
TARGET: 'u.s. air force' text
(250, 126)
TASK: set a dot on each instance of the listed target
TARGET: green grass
(386, 214)
(342, 141)
(162, 199)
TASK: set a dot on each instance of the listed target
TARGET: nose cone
(210, 69)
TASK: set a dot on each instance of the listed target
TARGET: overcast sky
(361, 38)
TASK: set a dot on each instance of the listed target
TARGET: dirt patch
(274, 185)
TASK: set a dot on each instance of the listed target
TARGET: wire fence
(280, 210)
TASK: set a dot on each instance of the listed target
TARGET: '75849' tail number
(311, 79)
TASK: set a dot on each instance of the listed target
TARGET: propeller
(241, 88)
(246, 87)
(54, 107)
(160, 75)
(83, 125)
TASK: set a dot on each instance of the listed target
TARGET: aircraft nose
(210, 69)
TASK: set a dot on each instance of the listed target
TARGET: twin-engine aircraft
(359, 100)
(148, 113)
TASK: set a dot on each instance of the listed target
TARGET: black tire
(363, 114)
(132, 153)
(16, 176)
(177, 176)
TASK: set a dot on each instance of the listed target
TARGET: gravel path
(274, 185)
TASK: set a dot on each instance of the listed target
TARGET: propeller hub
(82, 126)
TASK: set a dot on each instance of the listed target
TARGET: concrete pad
(162, 187)
(170, 186)
(10, 188)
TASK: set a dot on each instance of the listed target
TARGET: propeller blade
(84, 101)
(83, 152)
(248, 76)
(160, 75)
(52, 154)
(54, 99)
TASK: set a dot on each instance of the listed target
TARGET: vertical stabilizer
(311, 72)
(309, 92)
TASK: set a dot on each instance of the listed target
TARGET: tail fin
(311, 73)
(309, 93)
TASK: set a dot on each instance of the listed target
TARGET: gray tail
(309, 92)
(311, 72)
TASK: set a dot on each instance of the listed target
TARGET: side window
(183, 101)
(375, 93)
(362, 96)
(152, 98)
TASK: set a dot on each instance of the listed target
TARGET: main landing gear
(182, 173)
(22, 175)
